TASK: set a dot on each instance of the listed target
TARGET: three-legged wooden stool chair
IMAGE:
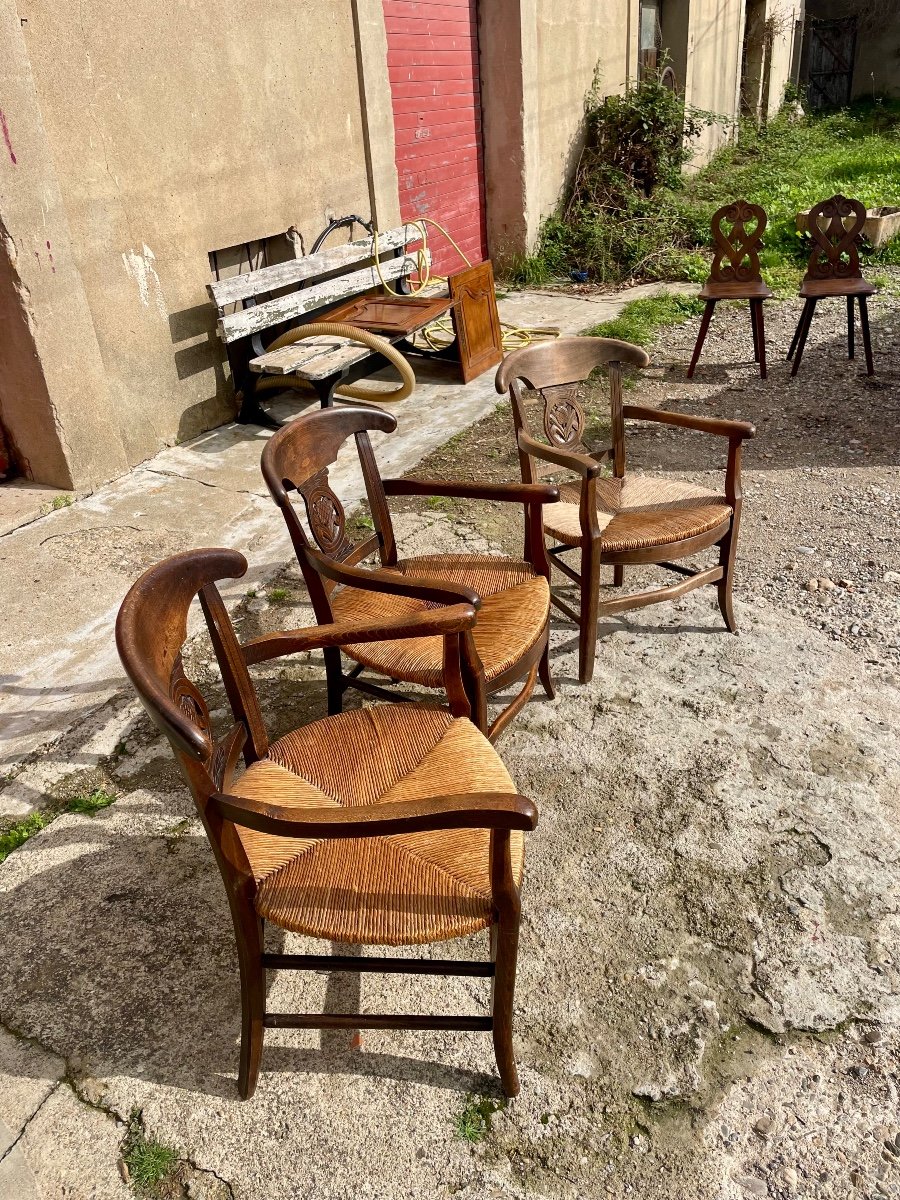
(393, 825)
(735, 274)
(833, 270)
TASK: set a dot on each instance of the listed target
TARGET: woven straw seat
(638, 511)
(400, 890)
(515, 605)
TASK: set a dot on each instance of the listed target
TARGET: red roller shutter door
(433, 69)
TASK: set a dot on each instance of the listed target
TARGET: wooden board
(476, 320)
(296, 304)
(313, 358)
(392, 315)
(297, 270)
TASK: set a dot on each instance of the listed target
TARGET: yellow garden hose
(333, 329)
(440, 333)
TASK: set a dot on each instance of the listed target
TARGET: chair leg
(590, 600)
(796, 337)
(248, 930)
(803, 329)
(727, 550)
(866, 337)
(701, 336)
(334, 680)
(850, 319)
(618, 576)
(504, 951)
(760, 338)
(755, 331)
(544, 670)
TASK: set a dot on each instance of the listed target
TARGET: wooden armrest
(713, 425)
(518, 493)
(392, 583)
(479, 810)
(437, 621)
(581, 464)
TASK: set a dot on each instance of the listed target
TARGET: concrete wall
(715, 42)
(148, 135)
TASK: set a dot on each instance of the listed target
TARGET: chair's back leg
(850, 319)
(590, 600)
(866, 337)
(760, 337)
(754, 330)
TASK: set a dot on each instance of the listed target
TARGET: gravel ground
(708, 999)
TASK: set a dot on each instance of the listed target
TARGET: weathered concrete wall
(575, 39)
(176, 128)
(712, 83)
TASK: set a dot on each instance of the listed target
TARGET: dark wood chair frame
(150, 633)
(735, 274)
(555, 369)
(833, 270)
(297, 458)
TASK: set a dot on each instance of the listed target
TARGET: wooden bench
(343, 285)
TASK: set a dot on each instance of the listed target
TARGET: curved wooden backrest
(297, 458)
(835, 255)
(556, 369)
(736, 250)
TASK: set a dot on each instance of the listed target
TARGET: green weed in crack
(91, 803)
(150, 1164)
(473, 1124)
(18, 834)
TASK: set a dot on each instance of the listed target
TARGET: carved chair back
(557, 371)
(736, 248)
(151, 630)
(835, 254)
(296, 459)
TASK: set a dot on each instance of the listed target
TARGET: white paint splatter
(141, 269)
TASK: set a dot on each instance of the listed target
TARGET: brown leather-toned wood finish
(835, 226)
(476, 320)
(150, 634)
(390, 315)
(296, 460)
(737, 230)
(556, 370)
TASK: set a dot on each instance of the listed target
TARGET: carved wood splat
(563, 415)
(836, 255)
(736, 257)
(325, 513)
(189, 700)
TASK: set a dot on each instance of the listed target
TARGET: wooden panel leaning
(509, 641)
(322, 832)
(835, 227)
(627, 518)
(735, 273)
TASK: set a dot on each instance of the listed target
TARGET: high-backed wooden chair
(735, 273)
(509, 642)
(627, 518)
(833, 270)
(393, 825)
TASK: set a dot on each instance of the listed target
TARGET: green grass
(91, 803)
(279, 595)
(17, 835)
(473, 1124)
(439, 503)
(639, 320)
(150, 1163)
(787, 166)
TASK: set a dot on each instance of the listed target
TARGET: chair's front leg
(248, 931)
(334, 676)
(504, 952)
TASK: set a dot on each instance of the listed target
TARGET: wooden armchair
(833, 270)
(628, 518)
(509, 641)
(392, 825)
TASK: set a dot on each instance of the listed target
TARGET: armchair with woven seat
(624, 518)
(392, 825)
(509, 641)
